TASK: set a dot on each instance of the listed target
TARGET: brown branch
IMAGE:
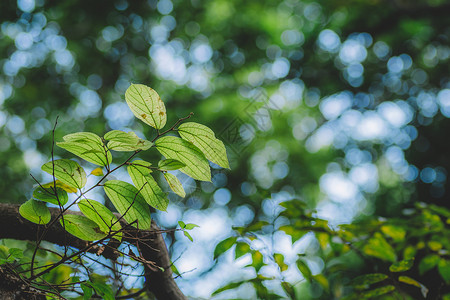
(151, 244)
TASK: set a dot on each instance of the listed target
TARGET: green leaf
(289, 289)
(402, 266)
(257, 260)
(395, 232)
(175, 185)
(170, 164)
(304, 269)
(444, 269)
(279, 259)
(146, 105)
(378, 247)
(101, 215)
(188, 236)
(103, 290)
(87, 291)
(229, 286)
(322, 280)
(197, 165)
(428, 262)
(241, 249)
(67, 171)
(378, 292)
(410, 281)
(88, 146)
(48, 195)
(224, 245)
(35, 211)
(190, 226)
(149, 188)
(205, 139)
(364, 281)
(129, 203)
(16, 252)
(126, 141)
(82, 227)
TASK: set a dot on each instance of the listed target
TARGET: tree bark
(151, 244)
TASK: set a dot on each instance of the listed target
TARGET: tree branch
(151, 244)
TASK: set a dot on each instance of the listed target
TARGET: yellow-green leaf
(377, 292)
(67, 171)
(146, 105)
(175, 185)
(170, 164)
(49, 195)
(428, 262)
(126, 141)
(395, 232)
(402, 266)
(61, 185)
(197, 165)
(279, 259)
(97, 172)
(88, 146)
(35, 211)
(378, 247)
(102, 216)
(149, 188)
(204, 139)
(364, 281)
(82, 227)
(129, 203)
(410, 281)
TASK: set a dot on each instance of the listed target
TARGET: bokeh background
(343, 105)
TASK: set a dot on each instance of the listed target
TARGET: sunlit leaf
(197, 165)
(410, 281)
(49, 195)
(126, 141)
(149, 188)
(88, 146)
(97, 172)
(170, 164)
(397, 233)
(257, 260)
(223, 246)
(377, 246)
(205, 139)
(67, 171)
(241, 249)
(188, 235)
(322, 280)
(35, 211)
(101, 215)
(279, 259)
(129, 203)
(175, 185)
(146, 105)
(61, 185)
(82, 227)
(402, 266)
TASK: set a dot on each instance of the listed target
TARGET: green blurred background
(341, 104)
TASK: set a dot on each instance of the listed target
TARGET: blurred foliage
(341, 104)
